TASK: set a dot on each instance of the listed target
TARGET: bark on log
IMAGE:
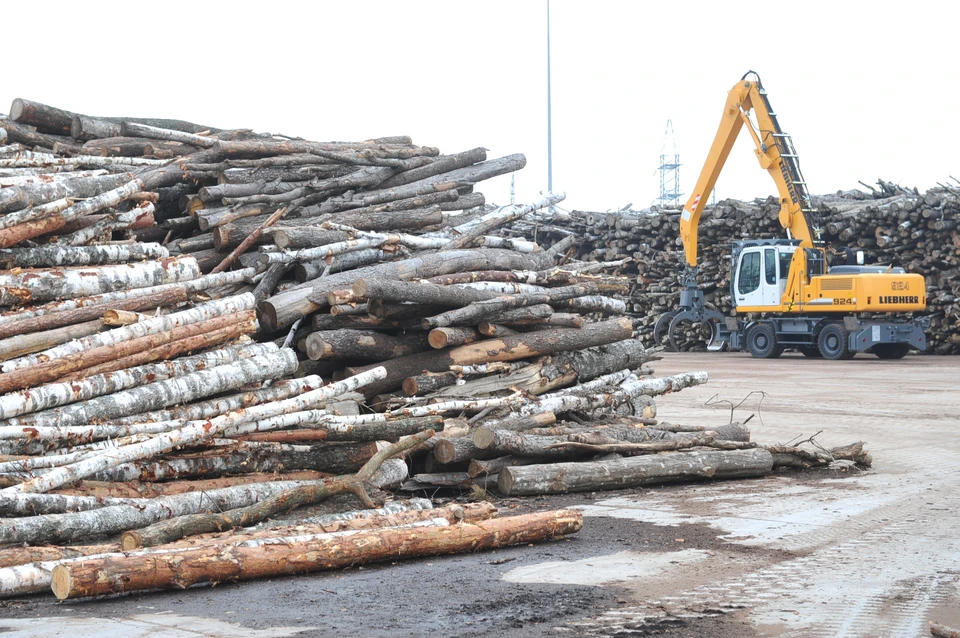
(282, 310)
(35, 286)
(134, 352)
(61, 256)
(64, 313)
(521, 346)
(363, 344)
(28, 343)
(59, 394)
(561, 478)
(157, 325)
(175, 529)
(109, 575)
(480, 310)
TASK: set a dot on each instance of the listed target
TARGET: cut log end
(483, 437)
(130, 541)
(61, 582)
(437, 339)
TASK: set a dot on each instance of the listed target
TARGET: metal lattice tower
(669, 171)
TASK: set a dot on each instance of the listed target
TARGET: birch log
(35, 286)
(202, 312)
(61, 256)
(63, 313)
(59, 394)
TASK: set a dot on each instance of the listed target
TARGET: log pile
(890, 224)
(205, 330)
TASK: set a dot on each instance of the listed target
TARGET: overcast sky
(867, 89)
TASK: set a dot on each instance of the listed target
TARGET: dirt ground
(837, 552)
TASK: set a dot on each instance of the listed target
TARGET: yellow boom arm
(775, 154)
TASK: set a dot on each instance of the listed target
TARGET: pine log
(561, 478)
(447, 337)
(155, 570)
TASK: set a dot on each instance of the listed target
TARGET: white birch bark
(62, 256)
(391, 507)
(94, 516)
(28, 159)
(204, 282)
(37, 212)
(43, 178)
(35, 286)
(54, 395)
(134, 129)
(164, 323)
(79, 209)
(191, 434)
(181, 388)
(508, 243)
(117, 221)
(215, 407)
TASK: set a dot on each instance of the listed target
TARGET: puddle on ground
(755, 518)
(603, 570)
(139, 626)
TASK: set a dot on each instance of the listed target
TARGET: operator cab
(761, 268)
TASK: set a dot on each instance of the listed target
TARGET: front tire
(762, 342)
(834, 343)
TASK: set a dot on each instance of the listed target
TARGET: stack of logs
(890, 224)
(207, 329)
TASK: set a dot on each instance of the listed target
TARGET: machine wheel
(662, 328)
(762, 342)
(812, 352)
(891, 350)
(833, 342)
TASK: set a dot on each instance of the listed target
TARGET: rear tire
(762, 342)
(891, 350)
(833, 342)
(813, 352)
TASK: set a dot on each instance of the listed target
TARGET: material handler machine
(793, 299)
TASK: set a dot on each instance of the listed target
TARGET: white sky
(867, 89)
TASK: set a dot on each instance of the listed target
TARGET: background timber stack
(890, 224)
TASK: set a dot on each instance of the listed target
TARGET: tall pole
(549, 114)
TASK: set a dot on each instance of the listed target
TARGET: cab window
(785, 259)
(770, 265)
(749, 279)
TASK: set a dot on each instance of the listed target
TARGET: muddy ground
(837, 552)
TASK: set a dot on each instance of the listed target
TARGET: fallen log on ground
(117, 574)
